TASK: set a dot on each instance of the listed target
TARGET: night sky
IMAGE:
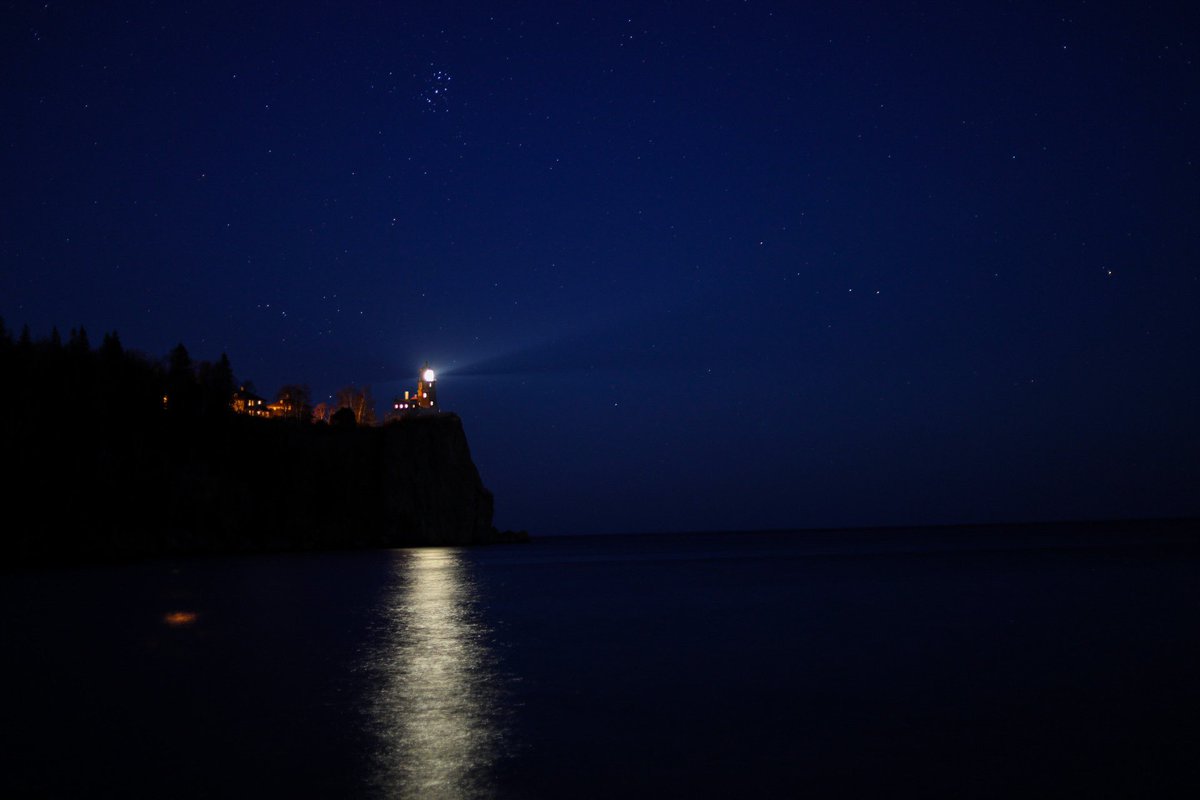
(681, 266)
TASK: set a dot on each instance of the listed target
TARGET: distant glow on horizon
(177, 619)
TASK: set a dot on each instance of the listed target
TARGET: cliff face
(431, 490)
(248, 485)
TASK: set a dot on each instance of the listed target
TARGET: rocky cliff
(431, 491)
(247, 485)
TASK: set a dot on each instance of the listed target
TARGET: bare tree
(360, 401)
(297, 398)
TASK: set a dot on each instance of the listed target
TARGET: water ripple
(436, 712)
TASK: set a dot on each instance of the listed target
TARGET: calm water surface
(981, 664)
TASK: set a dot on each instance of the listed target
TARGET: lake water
(995, 663)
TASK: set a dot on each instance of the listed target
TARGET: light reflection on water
(436, 711)
(179, 619)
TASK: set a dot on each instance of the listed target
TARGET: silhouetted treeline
(96, 440)
(111, 454)
(52, 382)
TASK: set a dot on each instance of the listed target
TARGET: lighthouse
(427, 388)
(423, 399)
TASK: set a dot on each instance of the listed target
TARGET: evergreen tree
(216, 386)
(78, 341)
(223, 382)
(110, 348)
(182, 391)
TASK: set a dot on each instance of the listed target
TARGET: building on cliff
(290, 405)
(283, 408)
(424, 399)
(247, 402)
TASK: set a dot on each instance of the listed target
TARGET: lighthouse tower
(427, 388)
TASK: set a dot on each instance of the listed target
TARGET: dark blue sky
(680, 265)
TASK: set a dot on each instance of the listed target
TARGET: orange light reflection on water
(178, 619)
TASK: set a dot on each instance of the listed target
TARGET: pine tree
(182, 391)
(78, 341)
(110, 348)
